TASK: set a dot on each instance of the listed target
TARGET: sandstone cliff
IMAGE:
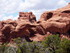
(26, 26)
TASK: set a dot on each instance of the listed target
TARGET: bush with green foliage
(64, 46)
(30, 47)
(51, 44)
(55, 45)
(7, 49)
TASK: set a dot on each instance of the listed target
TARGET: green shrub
(7, 49)
(51, 44)
(31, 47)
(64, 46)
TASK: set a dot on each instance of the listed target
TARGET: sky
(9, 9)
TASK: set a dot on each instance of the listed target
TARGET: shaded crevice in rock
(27, 39)
(32, 32)
(66, 11)
(40, 30)
(68, 31)
(49, 15)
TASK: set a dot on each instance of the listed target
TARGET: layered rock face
(26, 26)
(17, 28)
(27, 16)
(56, 21)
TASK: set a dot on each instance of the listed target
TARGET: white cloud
(9, 6)
(36, 6)
(61, 3)
(47, 4)
(8, 17)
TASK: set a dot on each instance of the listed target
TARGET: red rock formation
(29, 16)
(26, 26)
(56, 21)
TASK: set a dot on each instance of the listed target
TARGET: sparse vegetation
(51, 44)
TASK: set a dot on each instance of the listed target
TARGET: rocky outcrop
(26, 26)
(27, 16)
(56, 21)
